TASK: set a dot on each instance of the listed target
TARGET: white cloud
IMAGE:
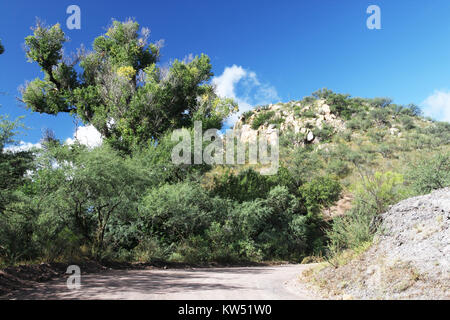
(437, 105)
(251, 91)
(88, 135)
(23, 146)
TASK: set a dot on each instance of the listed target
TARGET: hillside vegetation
(127, 201)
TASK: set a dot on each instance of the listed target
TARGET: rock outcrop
(290, 117)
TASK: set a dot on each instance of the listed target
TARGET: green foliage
(127, 201)
(13, 165)
(373, 195)
(353, 229)
(380, 102)
(303, 165)
(355, 123)
(247, 115)
(320, 192)
(121, 90)
(439, 132)
(8, 129)
(177, 212)
(381, 190)
(338, 168)
(430, 174)
(308, 114)
(407, 122)
(386, 150)
(377, 136)
(412, 110)
(325, 133)
(262, 118)
(94, 193)
(275, 226)
(248, 185)
(380, 116)
(341, 104)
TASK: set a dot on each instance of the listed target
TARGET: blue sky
(262, 51)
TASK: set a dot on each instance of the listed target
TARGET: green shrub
(346, 135)
(412, 110)
(338, 168)
(376, 135)
(177, 212)
(247, 115)
(262, 118)
(386, 150)
(320, 192)
(354, 124)
(353, 229)
(151, 249)
(247, 185)
(439, 131)
(407, 122)
(325, 134)
(373, 195)
(268, 224)
(380, 102)
(308, 114)
(380, 116)
(430, 174)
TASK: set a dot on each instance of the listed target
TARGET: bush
(246, 116)
(412, 110)
(262, 118)
(386, 150)
(346, 135)
(373, 195)
(440, 133)
(275, 226)
(380, 102)
(354, 124)
(247, 185)
(338, 168)
(174, 213)
(353, 229)
(430, 174)
(308, 114)
(380, 116)
(407, 122)
(377, 136)
(325, 134)
(320, 192)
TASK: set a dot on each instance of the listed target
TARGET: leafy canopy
(121, 90)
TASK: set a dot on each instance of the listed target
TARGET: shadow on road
(145, 283)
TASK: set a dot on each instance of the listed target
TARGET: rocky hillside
(324, 114)
(410, 257)
(345, 132)
(296, 117)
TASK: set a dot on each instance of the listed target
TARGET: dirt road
(242, 283)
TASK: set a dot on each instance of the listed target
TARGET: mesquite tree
(120, 88)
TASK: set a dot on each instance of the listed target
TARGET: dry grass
(366, 276)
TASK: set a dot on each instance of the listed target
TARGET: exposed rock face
(310, 137)
(410, 257)
(417, 230)
(319, 114)
(394, 131)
